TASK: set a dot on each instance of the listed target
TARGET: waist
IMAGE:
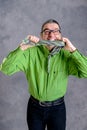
(48, 103)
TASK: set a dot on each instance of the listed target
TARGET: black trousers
(38, 117)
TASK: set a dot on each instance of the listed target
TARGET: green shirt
(47, 75)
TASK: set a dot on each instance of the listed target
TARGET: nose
(51, 33)
(51, 36)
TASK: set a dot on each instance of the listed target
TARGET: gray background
(18, 18)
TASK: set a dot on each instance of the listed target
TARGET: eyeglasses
(47, 31)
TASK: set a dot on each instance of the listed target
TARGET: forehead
(51, 26)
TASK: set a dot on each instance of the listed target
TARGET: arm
(77, 64)
(17, 60)
(14, 62)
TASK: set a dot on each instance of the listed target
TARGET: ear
(41, 35)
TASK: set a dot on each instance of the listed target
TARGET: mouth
(51, 39)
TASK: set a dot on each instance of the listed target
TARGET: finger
(29, 36)
(64, 39)
(58, 38)
(21, 44)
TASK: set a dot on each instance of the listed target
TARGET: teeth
(51, 39)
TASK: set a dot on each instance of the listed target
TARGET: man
(47, 75)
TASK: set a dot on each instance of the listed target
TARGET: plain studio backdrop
(18, 18)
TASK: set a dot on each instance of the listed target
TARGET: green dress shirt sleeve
(78, 64)
(14, 62)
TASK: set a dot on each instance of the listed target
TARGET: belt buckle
(43, 104)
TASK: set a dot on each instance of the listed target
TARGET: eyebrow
(45, 29)
(49, 29)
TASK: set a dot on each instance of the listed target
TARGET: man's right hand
(32, 39)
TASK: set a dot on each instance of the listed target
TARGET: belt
(48, 103)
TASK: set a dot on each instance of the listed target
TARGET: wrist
(73, 49)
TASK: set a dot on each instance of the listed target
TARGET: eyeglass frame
(49, 31)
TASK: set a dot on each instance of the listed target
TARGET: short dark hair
(50, 21)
